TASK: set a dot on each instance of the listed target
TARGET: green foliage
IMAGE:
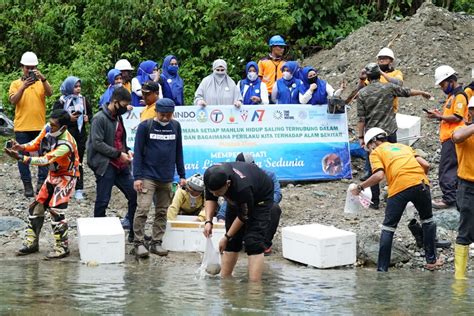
(85, 37)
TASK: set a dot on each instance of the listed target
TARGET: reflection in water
(149, 288)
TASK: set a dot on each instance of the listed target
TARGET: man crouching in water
(407, 182)
(248, 191)
(58, 150)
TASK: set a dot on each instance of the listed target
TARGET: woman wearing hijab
(315, 90)
(287, 89)
(251, 88)
(114, 77)
(80, 111)
(218, 88)
(172, 82)
(148, 70)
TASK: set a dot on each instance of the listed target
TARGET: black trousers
(447, 175)
(465, 202)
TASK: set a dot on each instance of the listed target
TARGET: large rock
(447, 219)
(10, 223)
(368, 250)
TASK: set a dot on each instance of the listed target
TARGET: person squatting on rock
(80, 113)
(189, 200)
(158, 153)
(109, 157)
(248, 191)
(275, 211)
(463, 137)
(57, 150)
(375, 109)
(28, 95)
(455, 112)
(406, 175)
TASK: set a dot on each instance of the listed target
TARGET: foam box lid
(317, 231)
(100, 226)
(406, 121)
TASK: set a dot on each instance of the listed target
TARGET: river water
(38, 288)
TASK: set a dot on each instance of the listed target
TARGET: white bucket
(355, 203)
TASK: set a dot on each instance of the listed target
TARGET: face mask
(120, 110)
(384, 68)
(219, 73)
(57, 133)
(172, 69)
(252, 76)
(117, 85)
(162, 123)
(287, 75)
(312, 80)
(153, 77)
(449, 88)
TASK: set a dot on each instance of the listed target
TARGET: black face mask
(121, 110)
(313, 80)
(385, 68)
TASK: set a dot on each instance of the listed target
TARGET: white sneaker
(79, 195)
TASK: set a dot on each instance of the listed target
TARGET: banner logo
(217, 116)
(258, 115)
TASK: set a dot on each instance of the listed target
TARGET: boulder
(9, 224)
(368, 250)
(447, 219)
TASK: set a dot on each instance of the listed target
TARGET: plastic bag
(211, 261)
(355, 203)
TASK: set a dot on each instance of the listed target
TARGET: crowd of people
(251, 209)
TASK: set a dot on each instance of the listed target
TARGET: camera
(9, 144)
(32, 75)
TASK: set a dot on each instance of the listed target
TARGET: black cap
(215, 177)
(150, 86)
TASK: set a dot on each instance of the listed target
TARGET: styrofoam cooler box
(409, 128)
(101, 239)
(318, 245)
(186, 234)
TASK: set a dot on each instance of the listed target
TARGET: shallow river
(39, 288)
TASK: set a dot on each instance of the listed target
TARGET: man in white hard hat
(126, 69)
(455, 112)
(28, 95)
(406, 175)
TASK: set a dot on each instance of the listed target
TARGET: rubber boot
(61, 243)
(429, 235)
(30, 243)
(28, 189)
(417, 232)
(385, 250)
(461, 256)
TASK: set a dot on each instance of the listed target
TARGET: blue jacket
(320, 95)
(157, 151)
(289, 90)
(173, 84)
(253, 86)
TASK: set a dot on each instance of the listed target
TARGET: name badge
(169, 80)
(257, 91)
(226, 88)
(294, 85)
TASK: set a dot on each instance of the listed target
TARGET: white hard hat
(442, 73)
(371, 133)
(386, 52)
(123, 64)
(196, 182)
(29, 59)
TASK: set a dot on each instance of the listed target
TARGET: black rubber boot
(31, 244)
(28, 189)
(417, 232)
(385, 251)
(429, 235)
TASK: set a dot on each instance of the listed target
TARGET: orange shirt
(465, 154)
(401, 168)
(270, 71)
(453, 106)
(128, 86)
(30, 111)
(148, 113)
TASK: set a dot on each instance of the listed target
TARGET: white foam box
(186, 234)
(101, 239)
(409, 128)
(318, 245)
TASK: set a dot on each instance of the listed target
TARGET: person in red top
(58, 150)
(454, 114)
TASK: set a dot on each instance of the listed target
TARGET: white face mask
(252, 76)
(153, 76)
(117, 85)
(57, 133)
(162, 123)
(287, 75)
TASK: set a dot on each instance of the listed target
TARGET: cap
(165, 105)
(196, 182)
(150, 86)
(245, 157)
(215, 177)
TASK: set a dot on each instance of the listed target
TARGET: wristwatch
(210, 222)
(229, 238)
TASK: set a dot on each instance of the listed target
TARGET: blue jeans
(25, 174)
(123, 180)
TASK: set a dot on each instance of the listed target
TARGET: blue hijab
(253, 86)
(71, 101)
(145, 69)
(111, 75)
(289, 90)
(173, 84)
(320, 95)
